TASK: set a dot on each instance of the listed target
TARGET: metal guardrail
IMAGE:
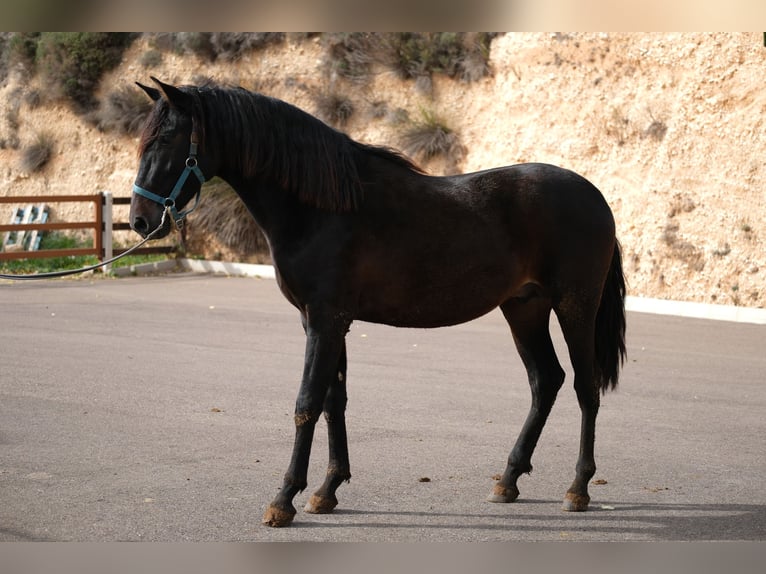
(103, 226)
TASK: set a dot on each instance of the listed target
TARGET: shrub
(681, 249)
(430, 137)
(35, 156)
(11, 141)
(17, 49)
(656, 130)
(223, 215)
(73, 62)
(233, 45)
(197, 43)
(474, 64)
(124, 111)
(151, 58)
(33, 99)
(333, 108)
(419, 55)
(411, 55)
(12, 112)
(220, 45)
(351, 55)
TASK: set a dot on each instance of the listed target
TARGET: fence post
(106, 228)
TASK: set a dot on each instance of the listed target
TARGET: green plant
(37, 154)
(58, 240)
(73, 62)
(53, 240)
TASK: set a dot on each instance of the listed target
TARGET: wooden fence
(102, 224)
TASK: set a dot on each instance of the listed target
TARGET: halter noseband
(170, 201)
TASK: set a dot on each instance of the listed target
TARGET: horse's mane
(265, 136)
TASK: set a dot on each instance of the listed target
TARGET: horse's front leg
(325, 333)
(323, 500)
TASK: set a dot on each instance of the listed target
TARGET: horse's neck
(274, 210)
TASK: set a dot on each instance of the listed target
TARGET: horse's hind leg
(577, 320)
(529, 321)
(338, 470)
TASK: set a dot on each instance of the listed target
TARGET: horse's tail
(610, 326)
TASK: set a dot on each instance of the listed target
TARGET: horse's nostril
(140, 225)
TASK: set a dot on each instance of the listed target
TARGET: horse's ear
(175, 97)
(153, 93)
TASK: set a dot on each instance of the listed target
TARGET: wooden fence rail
(102, 224)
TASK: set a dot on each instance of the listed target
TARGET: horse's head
(170, 172)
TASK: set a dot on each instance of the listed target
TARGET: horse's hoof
(575, 502)
(277, 517)
(502, 493)
(320, 504)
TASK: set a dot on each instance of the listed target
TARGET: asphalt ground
(160, 409)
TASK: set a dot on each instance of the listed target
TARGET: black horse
(359, 232)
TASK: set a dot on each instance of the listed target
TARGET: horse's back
(541, 187)
(546, 208)
(445, 250)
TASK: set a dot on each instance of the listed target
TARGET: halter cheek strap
(170, 201)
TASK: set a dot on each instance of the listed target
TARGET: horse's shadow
(615, 520)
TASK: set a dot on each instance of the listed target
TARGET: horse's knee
(306, 418)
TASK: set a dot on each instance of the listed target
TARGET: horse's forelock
(158, 115)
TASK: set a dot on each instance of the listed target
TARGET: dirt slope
(669, 126)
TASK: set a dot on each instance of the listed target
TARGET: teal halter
(170, 201)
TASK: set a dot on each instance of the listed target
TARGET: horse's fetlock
(294, 484)
(342, 474)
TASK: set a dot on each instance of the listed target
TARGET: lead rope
(53, 274)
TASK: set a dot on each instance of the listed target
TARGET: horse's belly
(427, 300)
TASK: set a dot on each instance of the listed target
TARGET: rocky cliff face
(669, 126)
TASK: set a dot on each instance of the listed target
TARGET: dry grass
(410, 55)
(35, 156)
(682, 250)
(224, 46)
(430, 137)
(222, 215)
(333, 108)
(351, 55)
(124, 111)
